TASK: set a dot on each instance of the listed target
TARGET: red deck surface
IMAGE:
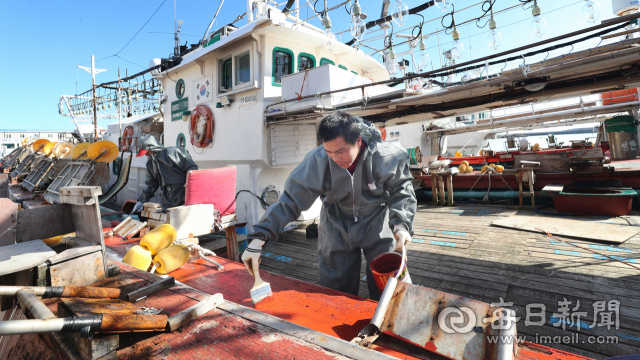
(318, 308)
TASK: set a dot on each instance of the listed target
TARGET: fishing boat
(251, 97)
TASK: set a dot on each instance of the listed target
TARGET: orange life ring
(201, 126)
(383, 133)
(127, 137)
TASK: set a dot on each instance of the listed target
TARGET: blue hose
(457, 201)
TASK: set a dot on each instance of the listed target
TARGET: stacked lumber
(153, 212)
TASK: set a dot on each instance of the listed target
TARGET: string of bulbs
(401, 12)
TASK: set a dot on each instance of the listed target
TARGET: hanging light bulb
(401, 13)
(494, 38)
(590, 12)
(358, 27)
(423, 59)
(392, 66)
(331, 39)
(458, 46)
(538, 24)
(443, 4)
(261, 9)
(110, 105)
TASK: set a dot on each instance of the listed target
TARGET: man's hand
(139, 206)
(402, 236)
(251, 254)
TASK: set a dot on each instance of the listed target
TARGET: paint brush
(261, 290)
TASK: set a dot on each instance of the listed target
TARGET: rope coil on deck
(202, 252)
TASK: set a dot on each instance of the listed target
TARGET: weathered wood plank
(186, 316)
(82, 271)
(23, 256)
(573, 228)
(44, 222)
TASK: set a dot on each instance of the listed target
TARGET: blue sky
(44, 41)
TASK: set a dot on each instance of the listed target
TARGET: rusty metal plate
(449, 325)
(119, 315)
(85, 307)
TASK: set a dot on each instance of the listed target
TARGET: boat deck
(457, 250)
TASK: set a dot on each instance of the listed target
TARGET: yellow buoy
(62, 150)
(48, 149)
(80, 151)
(492, 165)
(458, 154)
(499, 168)
(465, 162)
(484, 168)
(171, 258)
(25, 141)
(56, 239)
(39, 144)
(159, 238)
(138, 258)
(103, 151)
(469, 170)
(462, 168)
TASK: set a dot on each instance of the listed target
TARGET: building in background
(10, 139)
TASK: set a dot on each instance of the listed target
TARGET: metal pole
(93, 87)
(119, 105)
(297, 11)
(73, 118)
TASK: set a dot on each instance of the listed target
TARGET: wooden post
(520, 173)
(434, 189)
(450, 189)
(441, 190)
(533, 195)
(232, 243)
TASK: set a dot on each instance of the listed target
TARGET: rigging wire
(145, 24)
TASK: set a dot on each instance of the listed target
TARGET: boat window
(325, 61)
(227, 73)
(306, 61)
(236, 71)
(282, 64)
(343, 67)
(243, 68)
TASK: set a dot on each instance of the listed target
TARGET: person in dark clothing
(167, 169)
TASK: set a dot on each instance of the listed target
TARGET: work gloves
(136, 209)
(401, 233)
(251, 255)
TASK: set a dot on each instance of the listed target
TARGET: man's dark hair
(339, 124)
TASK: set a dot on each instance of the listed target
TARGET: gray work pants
(340, 257)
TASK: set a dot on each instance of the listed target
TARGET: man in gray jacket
(368, 203)
(167, 169)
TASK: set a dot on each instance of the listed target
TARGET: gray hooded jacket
(167, 169)
(353, 206)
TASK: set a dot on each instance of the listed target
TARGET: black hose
(287, 8)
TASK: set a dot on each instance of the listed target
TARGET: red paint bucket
(389, 265)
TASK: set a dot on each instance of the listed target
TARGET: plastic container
(623, 137)
(599, 202)
(389, 265)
